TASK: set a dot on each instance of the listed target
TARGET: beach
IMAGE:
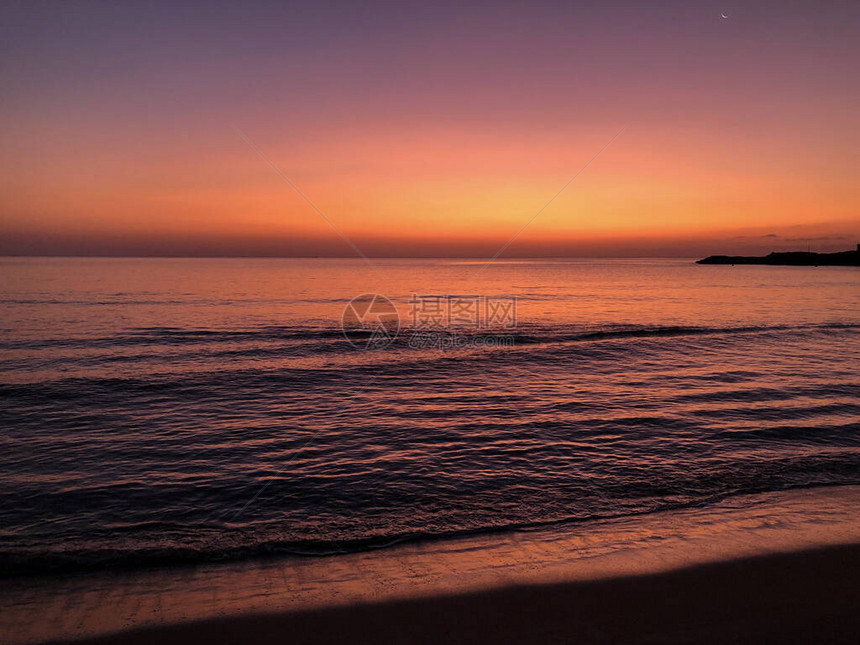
(777, 565)
(801, 597)
(188, 457)
(429, 322)
(189, 460)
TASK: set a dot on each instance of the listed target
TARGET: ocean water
(157, 411)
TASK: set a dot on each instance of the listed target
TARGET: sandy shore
(808, 597)
(691, 574)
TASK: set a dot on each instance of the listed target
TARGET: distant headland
(792, 258)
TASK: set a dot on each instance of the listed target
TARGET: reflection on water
(161, 411)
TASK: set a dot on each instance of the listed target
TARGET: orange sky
(438, 140)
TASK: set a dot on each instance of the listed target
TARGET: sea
(161, 412)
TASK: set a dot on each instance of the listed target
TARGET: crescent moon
(723, 16)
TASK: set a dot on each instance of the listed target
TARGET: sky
(428, 129)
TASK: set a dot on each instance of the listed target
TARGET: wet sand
(806, 597)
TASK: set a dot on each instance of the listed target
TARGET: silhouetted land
(794, 258)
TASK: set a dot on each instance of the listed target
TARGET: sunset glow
(428, 131)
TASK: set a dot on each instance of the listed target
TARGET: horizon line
(348, 257)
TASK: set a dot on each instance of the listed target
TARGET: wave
(85, 560)
(139, 466)
(675, 330)
(524, 335)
